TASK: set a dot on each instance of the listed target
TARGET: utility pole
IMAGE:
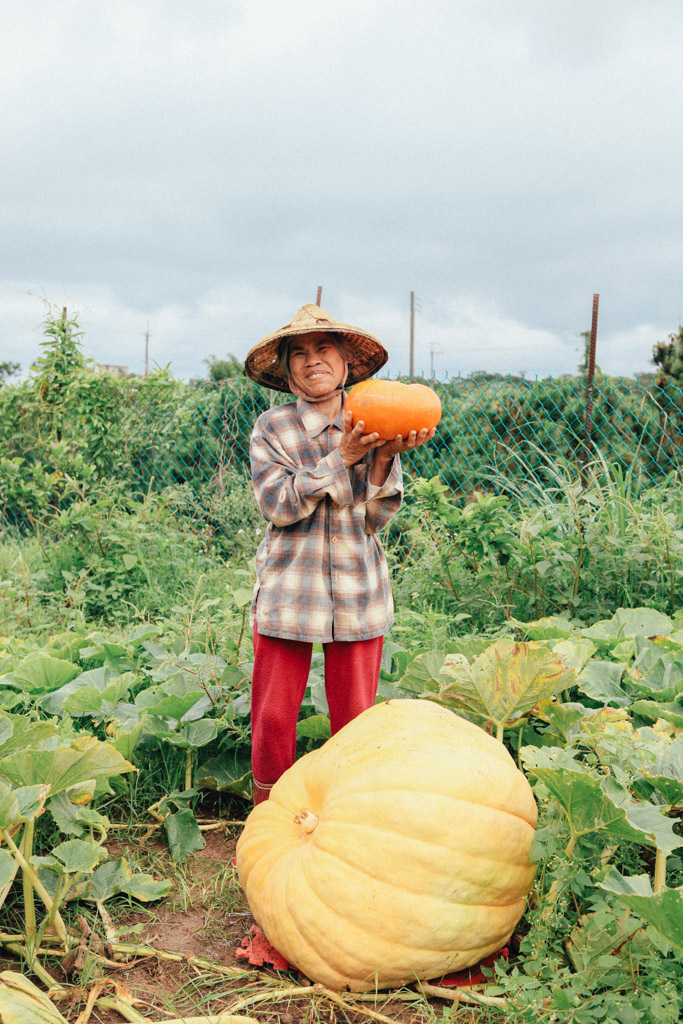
(146, 336)
(590, 388)
(412, 334)
(319, 296)
(432, 351)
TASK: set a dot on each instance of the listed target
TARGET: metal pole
(590, 387)
(412, 334)
(319, 296)
(147, 351)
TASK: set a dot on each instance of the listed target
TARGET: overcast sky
(202, 167)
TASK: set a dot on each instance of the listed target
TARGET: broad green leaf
(146, 888)
(653, 711)
(666, 774)
(21, 1002)
(599, 948)
(422, 672)
(661, 679)
(6, 729)
(575, 653)
(31, 800)
(115, 876)
(154, 726)
(9, 806)
(65, 766)
(39, 673)
(194, 734)
(629, 622)
(156, 701)
(564, 718)
(663, 910)
(98, 678)
(242, 596)
(8, 869)
(10, 698)
(601, 681)
(107, 880)
(229, 771)
(86, 700)
(504, 682)
(550, 628)
(314, 727)
(21, 804)
(78, 855)
(183, 835)
(64, 814)
(26, 734)
(127, 740)
(644, 817)
(587, 808)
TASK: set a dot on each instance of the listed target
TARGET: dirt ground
(194, 970)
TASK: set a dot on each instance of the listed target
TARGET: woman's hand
(400, 444)
(354, 443)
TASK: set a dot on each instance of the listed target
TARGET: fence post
(590, 387)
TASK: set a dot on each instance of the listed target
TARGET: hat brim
(262, 363)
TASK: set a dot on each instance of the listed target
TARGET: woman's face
(316, 365)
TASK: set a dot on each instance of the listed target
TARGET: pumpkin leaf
(504, 682)
(21, 1002)
(629, 622)
(315, 727)
(8, 868)
(552, 627)
(78, 855)
(39, 673)
(183, 835)
(229, 771)
(564, 719)
(666, 775)
(601, 681)
(662, 910)
(421, 674)
(581, 796)
(651, 710)
(64, 766)
(114, 877)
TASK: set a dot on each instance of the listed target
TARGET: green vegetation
(547, 607)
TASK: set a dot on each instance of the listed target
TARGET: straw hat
(263, 364)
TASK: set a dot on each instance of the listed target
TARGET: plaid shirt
(321, 574)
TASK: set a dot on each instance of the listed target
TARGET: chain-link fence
(496, 433)
(491, 427)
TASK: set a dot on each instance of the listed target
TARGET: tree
(8, 369)
(668, 356)
(221, 369)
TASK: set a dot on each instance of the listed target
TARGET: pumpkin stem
(309, 822)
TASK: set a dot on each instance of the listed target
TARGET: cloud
(204, 167)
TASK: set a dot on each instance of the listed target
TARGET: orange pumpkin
(390, 407)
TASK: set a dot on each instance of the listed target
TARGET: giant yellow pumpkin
(391, 407)
(398, 850)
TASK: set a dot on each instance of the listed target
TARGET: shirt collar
(313, 420)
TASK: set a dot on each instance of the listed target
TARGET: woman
(326, 489)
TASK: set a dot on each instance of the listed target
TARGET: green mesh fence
(150, 433)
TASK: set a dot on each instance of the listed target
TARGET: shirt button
(334, 540)
(335, 505)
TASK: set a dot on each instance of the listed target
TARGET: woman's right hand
(354, 443)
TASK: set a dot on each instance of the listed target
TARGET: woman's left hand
(405, 444)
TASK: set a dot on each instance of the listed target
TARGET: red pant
(281, 670)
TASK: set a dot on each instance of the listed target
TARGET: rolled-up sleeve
(384, 503)
(286, 493)
(321, 574)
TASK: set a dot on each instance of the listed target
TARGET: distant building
(112, 369)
